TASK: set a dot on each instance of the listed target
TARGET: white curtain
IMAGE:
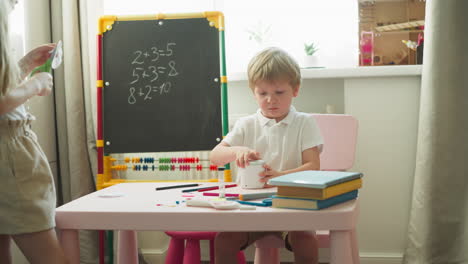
(438, 227)
(73, 97)
(74, 83)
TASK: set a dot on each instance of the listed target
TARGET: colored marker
(177, 186)
(215, 188)
(194, 189)
(253, 196)
(217, 194)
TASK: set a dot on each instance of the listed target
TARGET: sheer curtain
(438, 227)
(74, 83)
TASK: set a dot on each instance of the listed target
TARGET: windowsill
(357, 72)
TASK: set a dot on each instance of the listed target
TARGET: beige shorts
(27, 192)
(254, 236)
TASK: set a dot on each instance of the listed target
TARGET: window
(254, 25)
(16, 23)
(331, 25)
(134, 7)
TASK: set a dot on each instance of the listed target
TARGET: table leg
(340, 247)
(102, 251)
(69, 239)
(127, 247)
(355, 247)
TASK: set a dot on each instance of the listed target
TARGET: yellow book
(317, 193)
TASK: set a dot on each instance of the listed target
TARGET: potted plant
(259, 36)
(259, 33)
(310, 59)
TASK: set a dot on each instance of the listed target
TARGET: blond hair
(272, 65)
(9, 75)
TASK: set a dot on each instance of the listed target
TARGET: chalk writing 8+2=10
(146, 76)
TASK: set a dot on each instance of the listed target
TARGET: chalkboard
(161, 86)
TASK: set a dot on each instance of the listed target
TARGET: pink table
(137, 209)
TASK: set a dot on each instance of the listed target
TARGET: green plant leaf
(310, 49)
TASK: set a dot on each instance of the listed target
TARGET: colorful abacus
(179, 160)
(164, 164)
(163, 160)
(165, 167)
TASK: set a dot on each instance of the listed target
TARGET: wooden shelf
(398, 32)
(400, 26)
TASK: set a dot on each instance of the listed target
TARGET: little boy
(287, 140)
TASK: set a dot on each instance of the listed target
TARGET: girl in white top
(27, 193)
(288, 141)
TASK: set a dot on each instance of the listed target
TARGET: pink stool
(179, 253)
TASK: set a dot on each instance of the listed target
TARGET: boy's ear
(296, 90)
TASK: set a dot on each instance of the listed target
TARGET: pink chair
(339, 133)
(184, 247)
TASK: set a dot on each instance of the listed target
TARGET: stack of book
(314, 190)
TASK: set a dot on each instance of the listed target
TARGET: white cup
(249, 176)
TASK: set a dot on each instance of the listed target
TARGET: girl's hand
(243, 157)
(35, 57)
(43, 83)
(268, 174)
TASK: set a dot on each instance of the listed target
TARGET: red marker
(217, 194)
(216, 188)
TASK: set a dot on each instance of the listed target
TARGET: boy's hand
(36, 57)
(243, 157)
(268, 174)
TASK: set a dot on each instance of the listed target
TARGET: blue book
(311, 204)
(314, 179)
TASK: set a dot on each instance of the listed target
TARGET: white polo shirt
(280, 144)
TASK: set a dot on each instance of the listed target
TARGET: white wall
(387, 110)
(314, 95)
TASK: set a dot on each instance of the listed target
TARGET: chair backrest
(339, 134)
